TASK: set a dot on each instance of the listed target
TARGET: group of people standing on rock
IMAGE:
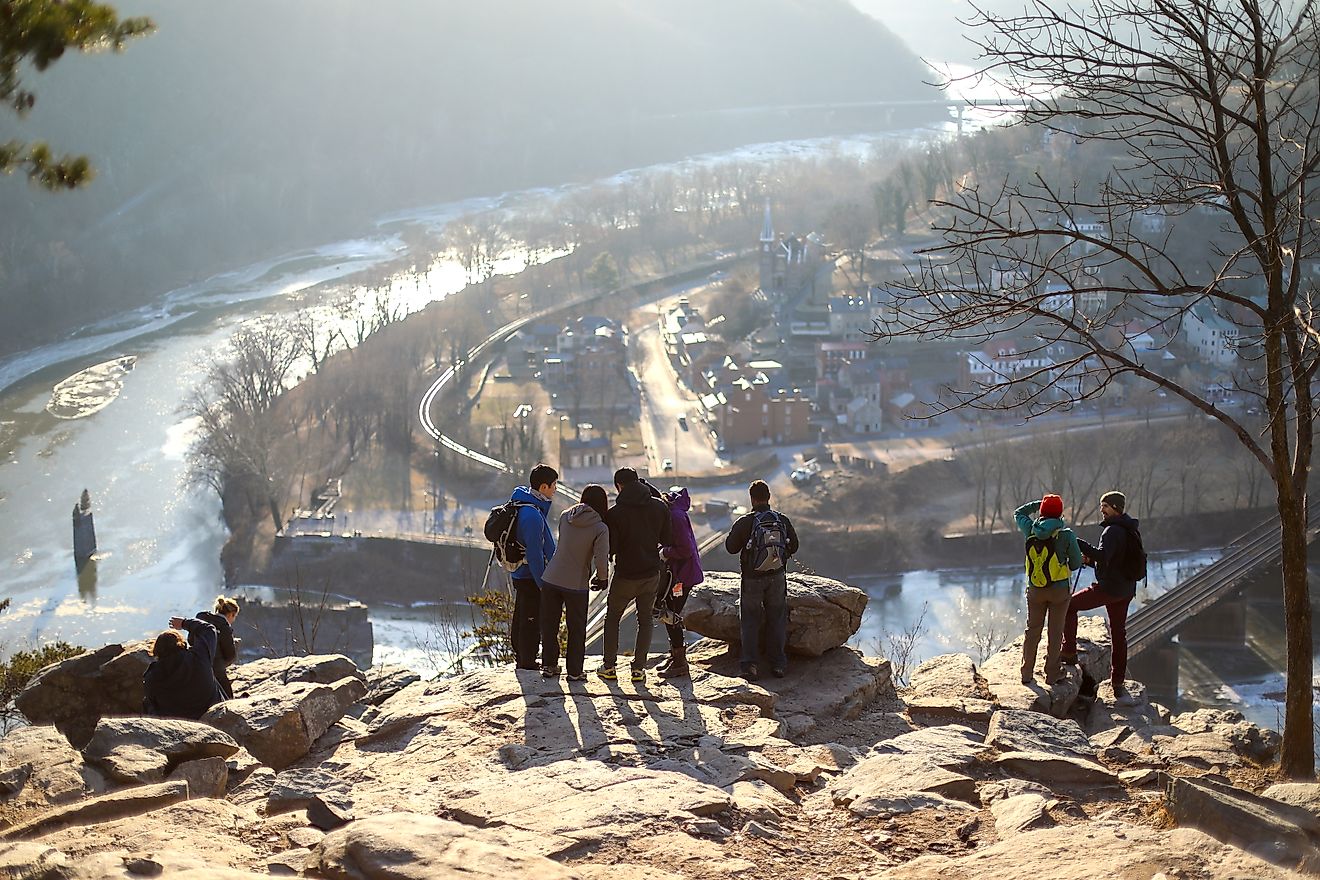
(1053, 552)
(643, 551)
(188, 676)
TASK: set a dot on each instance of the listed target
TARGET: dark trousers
(525, 627)
(763, 611)
(1117, 609)
(640, 593)
(573, 605)
(666, 598)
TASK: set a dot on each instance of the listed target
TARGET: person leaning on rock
(180, 682)
(1114, 588)
(639, 524)
(222, 618)
(764, 540)
(1052, 555)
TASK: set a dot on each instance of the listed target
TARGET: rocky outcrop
(823, 773)
(76, 693)
(1003, 672)
(147, 749)
(948, 686)
(822, 614)
(279, 722)
(1271, 829)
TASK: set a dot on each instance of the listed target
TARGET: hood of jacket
(679, 501)
(1123, 521)
(219, 621)
(582, 516)
(634, 494)
(1041, 528)
(524, 495)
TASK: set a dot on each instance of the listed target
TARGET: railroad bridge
(1212, 607)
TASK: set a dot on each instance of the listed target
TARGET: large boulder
(273, 672)
(822, 613)
(279, 723)
(1245, 738)
(1003, 672)
(147, 749)
(38, 769)
(1274, 830)
(76, 693)
(1016, 730)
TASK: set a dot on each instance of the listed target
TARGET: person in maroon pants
(1112, 590)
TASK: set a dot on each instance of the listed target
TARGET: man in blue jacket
(1052, 553)
(535, 536)
(1112, 589)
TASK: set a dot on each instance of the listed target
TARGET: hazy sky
(931, 27)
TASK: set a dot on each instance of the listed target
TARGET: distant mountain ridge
(246, 128)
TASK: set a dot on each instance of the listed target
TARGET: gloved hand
(598, 584)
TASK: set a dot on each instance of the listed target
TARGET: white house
(1212, 336)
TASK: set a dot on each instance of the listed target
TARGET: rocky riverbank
(324, 770)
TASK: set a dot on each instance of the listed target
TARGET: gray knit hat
(1116, 500)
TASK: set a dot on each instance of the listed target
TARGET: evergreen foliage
(38, 33)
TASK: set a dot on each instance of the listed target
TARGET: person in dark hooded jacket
(222, 618)
(179, 683)
(639, 526)
(683, 562)
(1112, 590)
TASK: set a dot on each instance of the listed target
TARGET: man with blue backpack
(1052, 555)
(764, 540)
(523, 545)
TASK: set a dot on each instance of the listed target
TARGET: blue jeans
(763, 611)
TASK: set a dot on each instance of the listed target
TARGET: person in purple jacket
(683, 563)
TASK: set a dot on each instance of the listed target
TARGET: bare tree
(1207, 114)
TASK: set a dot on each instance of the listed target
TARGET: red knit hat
(1051, 506)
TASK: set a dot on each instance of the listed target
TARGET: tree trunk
(1297, 757)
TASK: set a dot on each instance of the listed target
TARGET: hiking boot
(750, 672)
(778, 672)
(549, 671)
(576, 676)
(639, 675)
(676, 669)
(1028, 678)
(608, 673)
(1123, 697)
(1070, 659)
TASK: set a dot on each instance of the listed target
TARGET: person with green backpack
(1052, 555)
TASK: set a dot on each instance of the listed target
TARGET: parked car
(682, 422)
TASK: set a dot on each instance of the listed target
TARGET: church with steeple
(790, 264)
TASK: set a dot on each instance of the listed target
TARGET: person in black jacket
(222, 618)
(763, 598)
(639, 524)
(1112, 589)
(179, 683)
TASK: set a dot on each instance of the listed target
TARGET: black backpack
(767, 546)
(1134, 561)
(502, 531)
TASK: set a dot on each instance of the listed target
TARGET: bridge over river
(1209, 607)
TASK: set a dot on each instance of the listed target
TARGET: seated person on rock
(180, 682)
(222, 618)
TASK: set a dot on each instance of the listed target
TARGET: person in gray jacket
(584, 541)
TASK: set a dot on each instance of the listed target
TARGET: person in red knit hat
(1052, 554)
